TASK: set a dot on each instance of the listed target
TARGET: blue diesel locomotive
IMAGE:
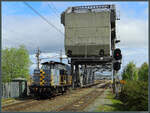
(52, 78)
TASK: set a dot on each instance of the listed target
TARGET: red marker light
(117, 54)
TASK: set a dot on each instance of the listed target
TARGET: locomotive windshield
(45, 67)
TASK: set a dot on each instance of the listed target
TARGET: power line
(43, 17)
(53, 10)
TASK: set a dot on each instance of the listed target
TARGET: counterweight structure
(90, 37)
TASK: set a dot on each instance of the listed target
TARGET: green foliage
(143, 72)
(135, 95)
(15, 63)
(130, 72)
(135, 92)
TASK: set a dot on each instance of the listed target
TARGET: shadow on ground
(117, 107)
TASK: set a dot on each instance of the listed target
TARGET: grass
(115, 104)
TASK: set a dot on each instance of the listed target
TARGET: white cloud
(137, 55)
(33, 32)
(133, 32)
(143, 3)
(146, 11)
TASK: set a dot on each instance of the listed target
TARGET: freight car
(52, 78)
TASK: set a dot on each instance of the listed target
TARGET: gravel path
(59, 101)
(100, 101)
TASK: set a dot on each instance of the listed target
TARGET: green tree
(134, 95)
(143, 72)
(130, 72)
(15, 63)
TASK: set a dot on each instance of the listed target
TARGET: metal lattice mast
(38, 58)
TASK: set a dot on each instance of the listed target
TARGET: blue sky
(33, 32)
(138, 9)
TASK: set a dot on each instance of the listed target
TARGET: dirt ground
(56, 103)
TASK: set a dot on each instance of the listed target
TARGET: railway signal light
(117, 66)
(117, 54)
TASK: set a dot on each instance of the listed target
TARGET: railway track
(25, 104)
(84, 101)
(32, 102)
(19, 105)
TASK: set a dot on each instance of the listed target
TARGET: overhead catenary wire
(53, 10)
(48, 22)
(54, 7)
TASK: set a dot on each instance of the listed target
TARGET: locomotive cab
(53, 77)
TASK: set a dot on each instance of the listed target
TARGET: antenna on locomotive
(38, 58)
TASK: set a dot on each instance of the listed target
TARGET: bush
(135, 95)
(143, 72)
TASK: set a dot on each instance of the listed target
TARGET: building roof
(95, 8)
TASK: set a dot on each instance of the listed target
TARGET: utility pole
(38, 58)
(61, 55)
(114, 87)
